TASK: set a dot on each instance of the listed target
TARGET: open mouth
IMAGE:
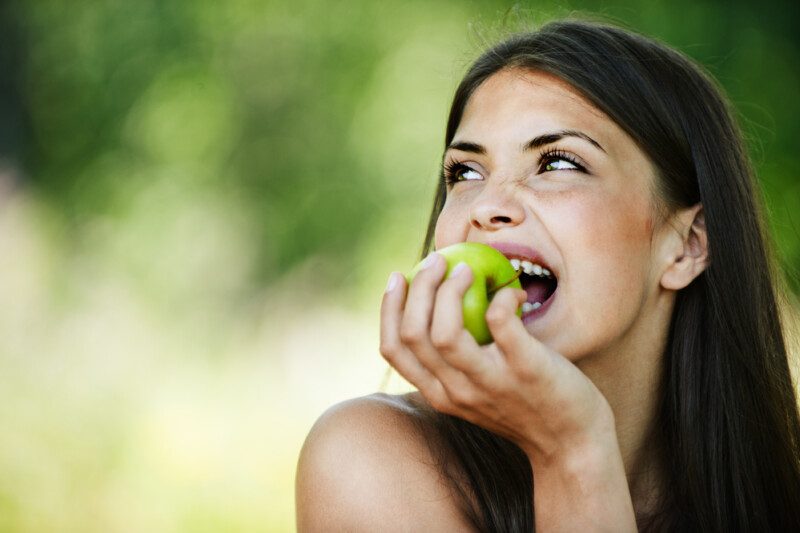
(538, 281)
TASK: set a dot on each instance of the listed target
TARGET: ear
(687, 252)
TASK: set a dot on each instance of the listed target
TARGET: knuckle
(387, 350)
(536, 376)
(443, 339)
(436, 397)
(494, 315)
(461, 397)
(527, 373)
(439, 403)
(411, 336)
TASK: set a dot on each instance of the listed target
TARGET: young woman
(651, 388)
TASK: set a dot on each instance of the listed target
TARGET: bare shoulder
(366, 465)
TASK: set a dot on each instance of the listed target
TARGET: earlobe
(688, 257)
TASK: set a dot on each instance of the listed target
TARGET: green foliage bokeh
(319, 118)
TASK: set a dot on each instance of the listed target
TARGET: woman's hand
(516, 387)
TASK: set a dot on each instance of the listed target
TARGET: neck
(629, 376)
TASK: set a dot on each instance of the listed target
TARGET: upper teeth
(531, 269)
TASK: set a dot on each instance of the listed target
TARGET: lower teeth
(528, 307)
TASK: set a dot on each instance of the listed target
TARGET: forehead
(527, 101)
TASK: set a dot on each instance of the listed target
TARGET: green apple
(491, 271)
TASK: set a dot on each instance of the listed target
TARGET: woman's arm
(365, 467)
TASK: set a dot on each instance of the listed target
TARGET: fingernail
(428, 261)
(459, 268)
(392, 283)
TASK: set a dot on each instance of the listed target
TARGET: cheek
(452, 225)
(612, 230)
(606, 251)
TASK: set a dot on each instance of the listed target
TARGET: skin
(575, 388)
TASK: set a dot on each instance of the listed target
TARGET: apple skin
(491, 270)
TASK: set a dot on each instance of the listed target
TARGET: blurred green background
(200, 202)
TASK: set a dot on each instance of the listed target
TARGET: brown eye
(470, 174)
(560, 160)
(456, 172)
(560, 164)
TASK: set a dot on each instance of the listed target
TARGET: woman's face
(580, 204)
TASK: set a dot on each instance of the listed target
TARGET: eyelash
(452, 169)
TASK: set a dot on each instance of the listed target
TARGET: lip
(520, 251)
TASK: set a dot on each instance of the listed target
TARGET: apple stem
(495, 289)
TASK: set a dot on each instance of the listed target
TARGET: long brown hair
(728, 423)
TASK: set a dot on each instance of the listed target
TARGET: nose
(495, 209)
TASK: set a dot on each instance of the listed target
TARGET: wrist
(575, 443)
(587, 461)
(581, 484)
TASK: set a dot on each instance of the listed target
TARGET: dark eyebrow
(536, 142)
(467, 147)
(549, 138)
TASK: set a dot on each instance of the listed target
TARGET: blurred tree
(261, 103)
(14, 131)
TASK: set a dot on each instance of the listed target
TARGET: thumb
(508, 330)
(501, 316)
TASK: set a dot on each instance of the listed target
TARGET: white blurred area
(146, 387)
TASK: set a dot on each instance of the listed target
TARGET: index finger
(391, 346)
